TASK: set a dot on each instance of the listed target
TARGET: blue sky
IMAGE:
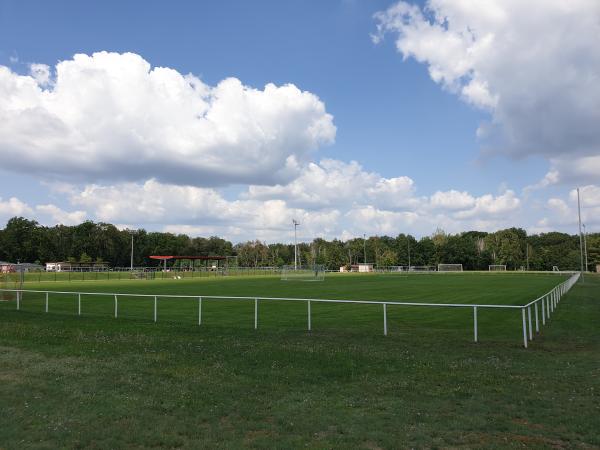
(390, 115)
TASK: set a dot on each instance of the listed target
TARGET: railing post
(116, 306)
(543, 311)
(524, 328)
(155, 309)
(255, 313)
(537, 321)
(18, 300)
(475, 323)
(309, 324)
(199, 310)
(46, 301)
(385, 319)
(548, 306)
(529, 320)
(79, 304)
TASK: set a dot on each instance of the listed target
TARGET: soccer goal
(450, 268)
(497, 267)
(142, 275)
(421, 269)
(10, 280)
(315, 272)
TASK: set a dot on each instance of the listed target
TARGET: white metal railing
(549, 302)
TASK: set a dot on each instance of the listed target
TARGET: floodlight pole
(131, 269)
(408, 245)
(365, 247)
(527, 252)
(580, 235)
(585, 247)
(296, 223)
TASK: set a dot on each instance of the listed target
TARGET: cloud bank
(330, 199)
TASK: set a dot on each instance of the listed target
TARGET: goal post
(497, 267)
(10, 280)
(315, 272)
(421, 268)
(450, 268)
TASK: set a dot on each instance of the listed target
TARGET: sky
(232, 118)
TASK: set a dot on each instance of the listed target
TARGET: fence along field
(533, 313)
(145, 273)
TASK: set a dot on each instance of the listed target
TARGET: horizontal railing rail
(548, 302)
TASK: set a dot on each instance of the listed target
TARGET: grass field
(93, 381)
(469, 288)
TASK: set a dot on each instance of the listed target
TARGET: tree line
(24, 240)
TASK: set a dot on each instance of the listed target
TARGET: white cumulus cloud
(452, 200)
(111, 116)
(532, 64)
(58, 215)
(330, 199)
(13, 207)
(489, 206)
(334, 183)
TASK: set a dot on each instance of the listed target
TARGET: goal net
(450, 268)
(315, 272)
(142, 275)
(497, 267)
(10, 280)
(420, 269)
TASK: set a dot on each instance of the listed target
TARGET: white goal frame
(315, 272)
(497, 267)
(450, 268)
(421, 269)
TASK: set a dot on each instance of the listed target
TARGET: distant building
(7, 267)
(361, 267)
(365, 267)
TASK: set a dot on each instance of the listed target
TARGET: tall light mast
(131, 269)
(296, 223)
(580, 235)
(585, 246)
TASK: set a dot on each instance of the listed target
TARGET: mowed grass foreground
(93, 381)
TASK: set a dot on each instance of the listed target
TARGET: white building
(361, 267)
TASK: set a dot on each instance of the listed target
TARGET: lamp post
(296, 223)
(580, 235)
(585, 246)
(131, 268)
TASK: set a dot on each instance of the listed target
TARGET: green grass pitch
(95, 381)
